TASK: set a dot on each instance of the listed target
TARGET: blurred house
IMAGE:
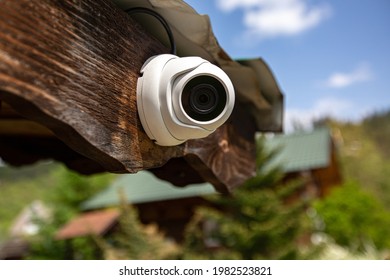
(311, 156)
(26, 224)
(157, 201)
(307, 155)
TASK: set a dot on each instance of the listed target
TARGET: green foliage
(21, 186)
(377, 127)
(72, 188)
(364, 150)
(132, 240)
(69, 191)
(355, 218)
(357, 213)
(52, 183)
(258, 222)
(44, 246)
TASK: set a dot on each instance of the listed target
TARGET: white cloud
(229, 5)
(336, 108)
(362, 73)
(270, 18)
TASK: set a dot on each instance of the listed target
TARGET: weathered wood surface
(72, 67)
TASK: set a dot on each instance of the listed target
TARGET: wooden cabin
(310, 156)
(157, 201)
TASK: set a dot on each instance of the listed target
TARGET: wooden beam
(20, 127)
(73, 66)
(19, 151)
(7, 112)
(229, 154)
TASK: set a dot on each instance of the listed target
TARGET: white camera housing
(182, 98)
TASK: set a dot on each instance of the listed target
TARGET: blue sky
(329, 57)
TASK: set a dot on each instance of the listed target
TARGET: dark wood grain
(227, 157)
(73, 66)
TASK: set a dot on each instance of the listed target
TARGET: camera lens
(204, 98)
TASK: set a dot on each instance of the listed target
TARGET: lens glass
(204, 98)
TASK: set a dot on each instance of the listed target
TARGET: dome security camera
(182, 98)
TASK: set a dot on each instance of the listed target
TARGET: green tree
(354, 218)
(135, 241)
(377, 127)
(364, 152)
(259, 221)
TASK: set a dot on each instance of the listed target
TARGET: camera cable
(161, 19)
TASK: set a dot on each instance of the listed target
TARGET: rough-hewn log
(72, 66)
(228, 155)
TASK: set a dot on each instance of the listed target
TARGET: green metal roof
(143, 187)
(302, 150)
(298, 152)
